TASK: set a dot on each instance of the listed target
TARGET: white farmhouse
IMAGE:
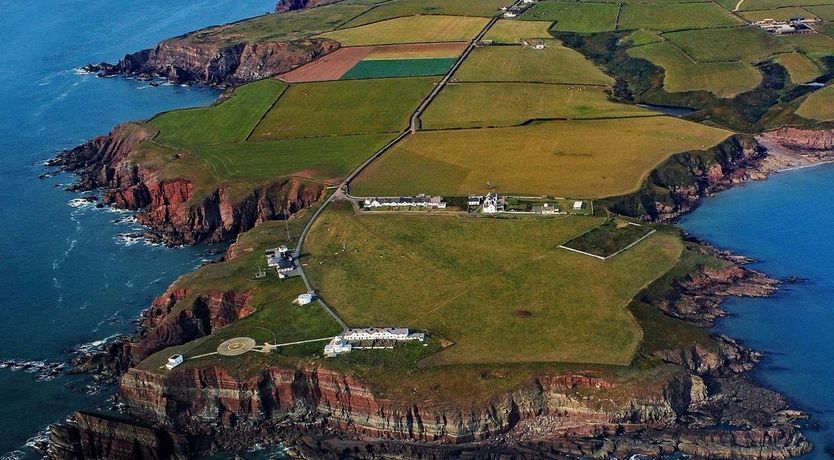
(577, 205)
(174, 361)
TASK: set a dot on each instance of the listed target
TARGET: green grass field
(411, 29)
(749, 44)
(471, 105)
(724, 79)
(815, 46)
(386, 68)
(666, 17)
(230, 121)
(575, 17)
(343, 107)
(780, 14)
(818, 105)
(514, 31)
(770, 4)
(398, 8)
(281, 27)
(554, 64)
(468, 281)
(318, 158)
(822, 11)
(800, 68)
(583, 159)
(606, 240)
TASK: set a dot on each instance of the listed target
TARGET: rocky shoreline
(184, 60)
(317, 413)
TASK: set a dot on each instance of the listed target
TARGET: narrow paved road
(342, 191)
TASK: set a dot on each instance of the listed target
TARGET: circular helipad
(236, 346)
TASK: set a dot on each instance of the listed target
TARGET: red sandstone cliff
(168, 205)
(550, 416)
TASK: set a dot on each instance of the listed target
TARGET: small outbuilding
(174, 361)
(304, 299)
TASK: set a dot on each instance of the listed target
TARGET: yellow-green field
(411, 29)
(344, 107)
(582, 159)
(749, 44)
(822, 11)
(779, 14)
(818, 105)
(280, 27)
(814, 46)
(554, 64)
(800, 68)
(470, 105)
(770, 4)
(398, 8)
(575, 17)
(514, 31)
(724, 79)
(666, 17)
(501, 290)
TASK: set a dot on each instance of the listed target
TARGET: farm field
(386, 68)
(336, 64)
(398, 8)
(574, 17)
(800, 68)
(321, 158)
(610, 237)
(815, 46)
(471, 105)
(280, 27)
(406, 271)
(724, 79)
(818, 105)
(770, 4)
(229, 121)
(411, 29)
(343, 107)
(514, 31)
(822, 11)
(667, 17)
(554, 64)
(779, 14)
(581, 159)
(750, 44)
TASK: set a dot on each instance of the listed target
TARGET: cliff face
(168, 206)
(551, 415)
(186, 61)
(283, 6)
(803, 140)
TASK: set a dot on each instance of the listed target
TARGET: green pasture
(677, 16)
(398, 8)
(554, 64)
(610, 237)
(514, 31)
(410, 29)
(468, 281)
(800, 68)
(575, 17)
(818, 105)
(471, 105)
(745, 44)
(386, 68)
(343, 107)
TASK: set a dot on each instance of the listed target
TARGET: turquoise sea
(66, 277)
(787, 224)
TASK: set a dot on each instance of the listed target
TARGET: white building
(474, 200)
(493, 204)
(174, 361)
(337, 346)
(509, 14)
(304, 299)
(421, 201)
(577, 205)
(381, 333)
(281, 259)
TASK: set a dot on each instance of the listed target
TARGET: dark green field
(609, 238)
(384, 68)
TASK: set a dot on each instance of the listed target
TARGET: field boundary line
(525, 82)
(269, 109)
(631, 245)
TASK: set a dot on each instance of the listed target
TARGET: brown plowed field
(337, 63)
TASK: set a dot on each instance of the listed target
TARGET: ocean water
(66, 276)
(787, 224)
